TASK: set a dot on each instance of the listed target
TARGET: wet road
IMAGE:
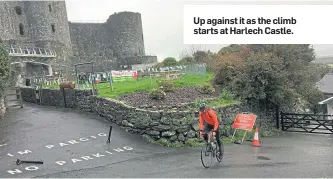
(73, 144)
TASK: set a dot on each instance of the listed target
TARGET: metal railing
(31, 52)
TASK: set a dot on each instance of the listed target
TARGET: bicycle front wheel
(207, 155)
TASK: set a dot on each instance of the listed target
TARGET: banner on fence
(244, 121)
(119, 76)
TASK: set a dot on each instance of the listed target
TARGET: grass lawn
(143, 85)
(331, 65)
(147, 84)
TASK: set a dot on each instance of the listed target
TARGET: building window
(18, 10)
(50, 8)
(21, 29)
(53, 28)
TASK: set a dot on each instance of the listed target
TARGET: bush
(273, 75)
(225, 94)
(166, 85)
(207, 89)
(157, 94)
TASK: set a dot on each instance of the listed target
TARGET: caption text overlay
(258, 24)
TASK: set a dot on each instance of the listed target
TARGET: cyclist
(209, 116)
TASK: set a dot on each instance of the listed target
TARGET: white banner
(123, 73)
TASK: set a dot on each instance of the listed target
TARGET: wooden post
(20, 94)
(277, 117)
(282, 121)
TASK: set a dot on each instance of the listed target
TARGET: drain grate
(263, 158)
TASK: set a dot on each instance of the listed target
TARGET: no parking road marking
(89, 157)
(62, 144)
(82, 139)
(75, 160)
(96, 155)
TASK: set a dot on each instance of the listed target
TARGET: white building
(326, 86)
(329, 105)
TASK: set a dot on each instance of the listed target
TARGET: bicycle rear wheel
(207, 155)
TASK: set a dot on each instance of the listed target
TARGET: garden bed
(179, 99)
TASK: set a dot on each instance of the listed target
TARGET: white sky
(162, 23)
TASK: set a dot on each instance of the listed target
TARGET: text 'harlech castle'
(39, 31)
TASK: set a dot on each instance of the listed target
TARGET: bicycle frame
(211, 141)
(211, 137)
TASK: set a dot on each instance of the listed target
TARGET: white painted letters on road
(83, 139)
(25, 152)
(73, 142)
(128, 148)
(118, 150)
(15, 171)
(101, 134)
(60, 162)
(98, 155)
(76, 160)
(87, 158)
(31, 168)
(10, 155)
(108, 152)
(62, 144)
(49, 146)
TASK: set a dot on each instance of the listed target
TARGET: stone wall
(54, 97)
(174, 126)
(138, 60)
(120, 38)
(87, 40)
(101, 64)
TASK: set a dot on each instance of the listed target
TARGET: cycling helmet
(202, 106)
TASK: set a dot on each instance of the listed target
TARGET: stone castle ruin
(40, 39)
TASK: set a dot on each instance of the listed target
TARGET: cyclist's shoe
(220, 155)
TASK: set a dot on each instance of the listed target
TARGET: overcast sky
(162, 23)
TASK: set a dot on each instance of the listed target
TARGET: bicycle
(211, 148)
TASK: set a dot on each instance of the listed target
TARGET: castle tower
(42, 24)
(126, 34)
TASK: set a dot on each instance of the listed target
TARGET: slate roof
(326, 100)
(326, 84)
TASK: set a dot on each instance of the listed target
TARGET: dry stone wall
(177, 127)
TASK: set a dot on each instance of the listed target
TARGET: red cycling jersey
(210, 117)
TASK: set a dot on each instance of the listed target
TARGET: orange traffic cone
(256, 142)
